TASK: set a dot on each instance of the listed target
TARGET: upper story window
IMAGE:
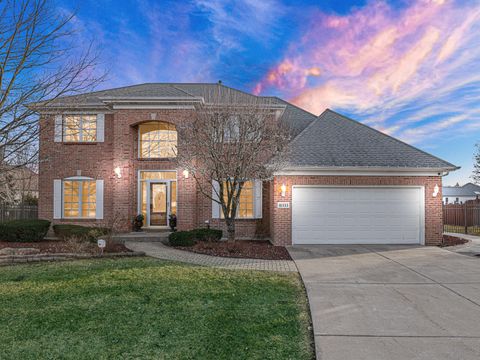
(157, 140)
(79, 128)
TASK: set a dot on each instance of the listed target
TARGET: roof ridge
(317, 118)
(186, 92)
(390, 137)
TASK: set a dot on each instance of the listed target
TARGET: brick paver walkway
(159, 250)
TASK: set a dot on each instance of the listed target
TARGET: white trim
(361, 171)
(99, 200)
(421, 202)
(151, 106)
(58, 128)
(73, 178)
(80, 198)
(148, 181)
(57, 199)
(100, 128)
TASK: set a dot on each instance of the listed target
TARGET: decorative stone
(19, 251)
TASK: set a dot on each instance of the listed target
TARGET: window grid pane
(79, 198)
(246, 201)
(157, 140)
(80, 128)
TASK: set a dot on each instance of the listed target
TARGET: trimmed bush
(207, 234)
(24, 230)
(90, 233)
(181, 238)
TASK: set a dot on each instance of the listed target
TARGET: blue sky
(409, 68)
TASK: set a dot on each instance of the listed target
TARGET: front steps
(143, 236)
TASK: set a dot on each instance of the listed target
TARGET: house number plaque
(283, 205)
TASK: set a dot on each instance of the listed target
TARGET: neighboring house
(18, 184)
(106, 156)
(459, 194)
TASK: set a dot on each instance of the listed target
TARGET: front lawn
(144, 308)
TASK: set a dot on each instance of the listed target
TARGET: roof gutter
(365, 171)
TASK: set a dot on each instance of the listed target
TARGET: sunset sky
(408, 68)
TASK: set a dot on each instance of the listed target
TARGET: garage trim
(421, 202)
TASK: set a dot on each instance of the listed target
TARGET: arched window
(157, 140)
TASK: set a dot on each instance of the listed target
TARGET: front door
(159, 204)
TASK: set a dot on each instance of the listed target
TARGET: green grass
(473, 230)
(149, 309)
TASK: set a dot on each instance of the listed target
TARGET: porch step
(142, 236)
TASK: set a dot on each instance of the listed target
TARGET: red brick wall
(281, 226)
(120, 149)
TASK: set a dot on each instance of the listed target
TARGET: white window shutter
(257, 186)
(58, 128)
(57, 199)
(100, 127)
(215, 205)
(99, 199)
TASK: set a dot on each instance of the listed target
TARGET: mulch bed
(252, 249)
(61, 246)
(452, 241)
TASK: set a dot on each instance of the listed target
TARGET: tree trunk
(230, 229)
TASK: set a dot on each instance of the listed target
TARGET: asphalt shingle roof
(334, 140)
(468, 189)
(330, 140)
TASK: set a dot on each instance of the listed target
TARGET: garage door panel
(354, 215)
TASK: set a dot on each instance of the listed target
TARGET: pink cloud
(376, 57)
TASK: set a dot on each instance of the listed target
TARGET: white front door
(357, 215)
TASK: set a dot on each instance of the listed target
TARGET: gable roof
(468, 189)
(334, 140)
(329, 140)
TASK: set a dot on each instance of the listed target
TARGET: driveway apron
(391, 302)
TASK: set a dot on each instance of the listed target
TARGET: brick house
(106, 156)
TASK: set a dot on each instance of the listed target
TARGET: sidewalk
(159, 250)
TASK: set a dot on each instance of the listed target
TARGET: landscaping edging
(17, 259)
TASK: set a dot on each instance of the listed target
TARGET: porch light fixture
(284, 189)
(436, 189)
(118, 172)
(185, 174)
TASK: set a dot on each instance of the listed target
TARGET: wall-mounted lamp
(436, 189)
(118, 172)
(185, 174)
(284, 189)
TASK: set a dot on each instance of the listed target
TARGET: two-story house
(106, 156)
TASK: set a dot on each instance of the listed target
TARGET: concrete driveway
(391, 302)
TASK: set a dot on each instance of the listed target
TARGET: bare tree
(476, 165)
(233, 138)
(40, 61)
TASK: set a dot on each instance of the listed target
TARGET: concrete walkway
(391, 302)
(159, 250)
(472, 248)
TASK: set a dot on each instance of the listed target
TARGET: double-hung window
(79, 128)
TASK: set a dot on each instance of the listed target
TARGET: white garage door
(357, 215)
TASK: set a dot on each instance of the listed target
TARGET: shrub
(207, 234)
(24, 230)
(90, 233)
(181, 238)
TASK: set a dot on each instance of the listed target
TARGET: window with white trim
(80, 128)
(246, 206)
(79, 198)
(157, 139)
